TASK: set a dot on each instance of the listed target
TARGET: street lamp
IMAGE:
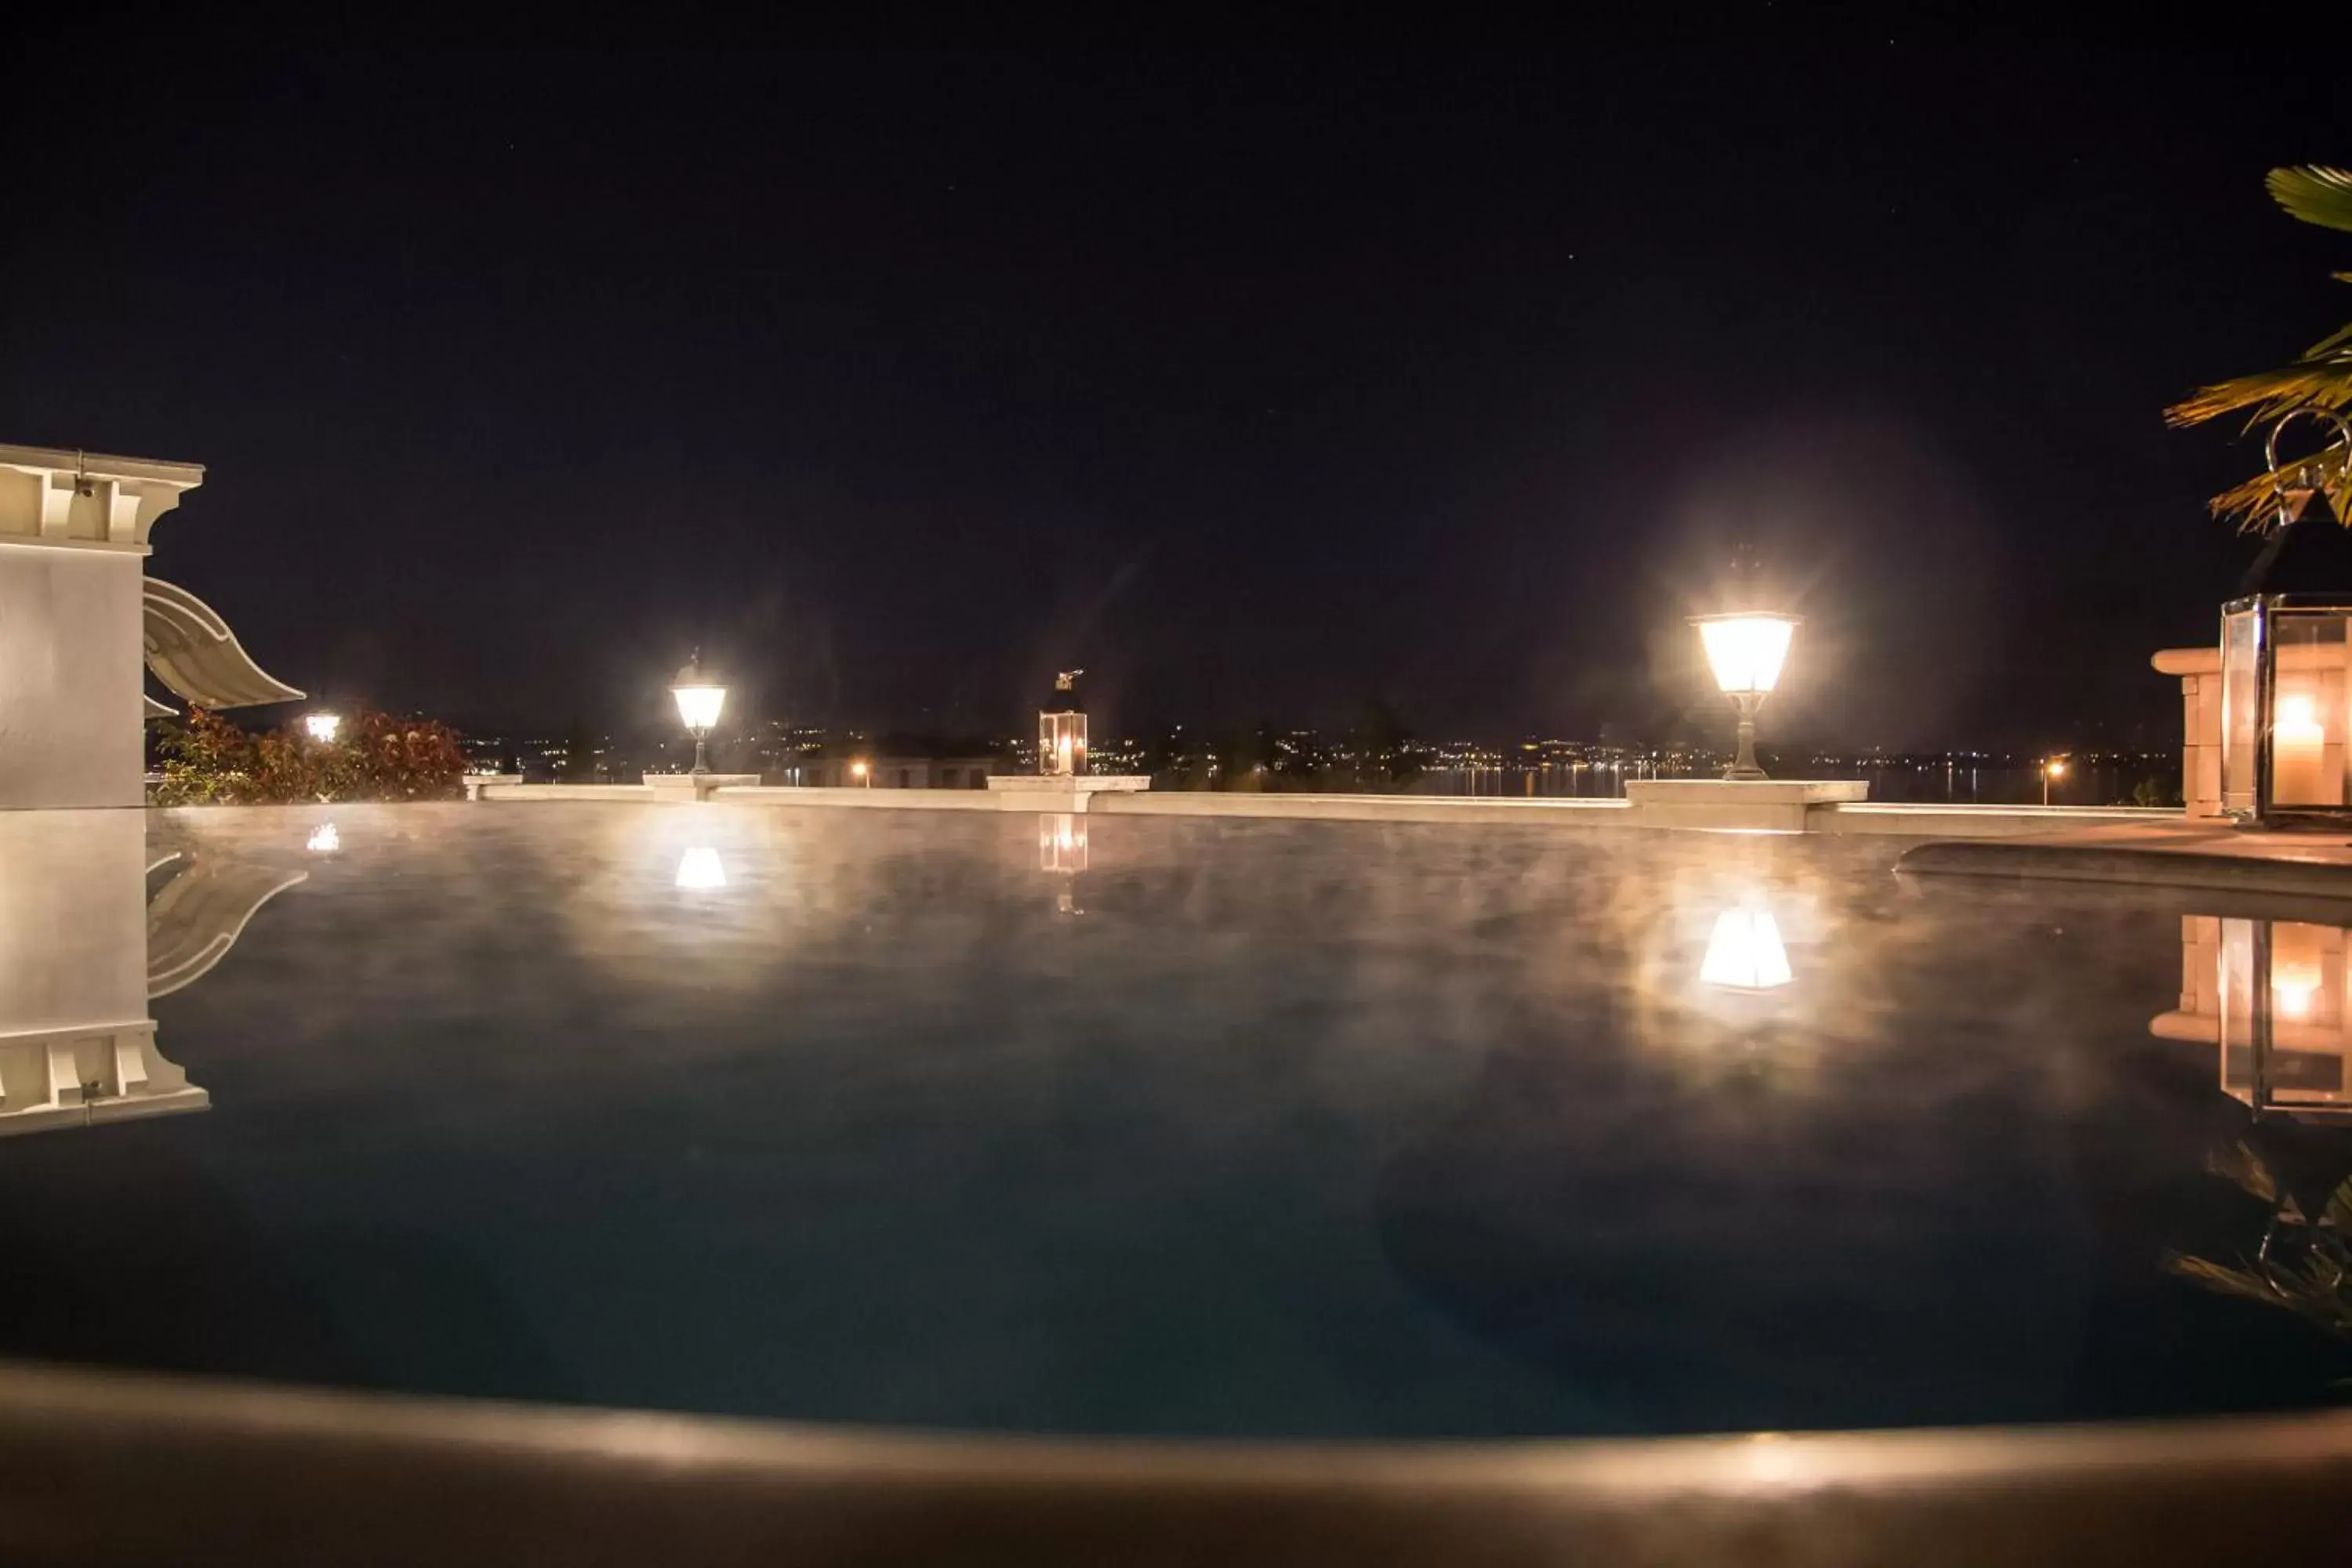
(863, 775)
(700, 695)
(1746, 650)
(322, 726)
(2052, 768)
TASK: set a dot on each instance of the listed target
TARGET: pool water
(1150, 1125)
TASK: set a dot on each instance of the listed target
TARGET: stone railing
(2200, 672)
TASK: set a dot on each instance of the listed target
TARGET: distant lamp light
(701, 694)
(322, 726)
(1062, 729)
(323, 839)
(2053, 770)
(1745, 954)
(700, 870)
(1745, 652)
(862, 774)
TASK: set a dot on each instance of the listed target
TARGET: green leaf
(2314, 193)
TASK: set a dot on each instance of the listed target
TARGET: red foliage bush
(207, 760)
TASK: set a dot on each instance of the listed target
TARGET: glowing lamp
(701, 694)
(322, 726)
(1745, 954)
(1746, 651)
(1062, 729)
(323, 839)
(700, 870)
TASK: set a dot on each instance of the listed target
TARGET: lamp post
(701, 694)
(322, 726)
(2052, 768)
(1746, 650)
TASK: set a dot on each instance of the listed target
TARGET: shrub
(207, 760)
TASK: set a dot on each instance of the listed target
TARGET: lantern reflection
(1745, 954)
(1062, 843)
(699, 869)
(2270, 995)
(1062, 853)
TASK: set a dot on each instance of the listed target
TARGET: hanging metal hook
(2292, 502)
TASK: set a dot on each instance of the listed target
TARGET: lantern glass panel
(2309, 710)
(1061, 743)
(2241, 708)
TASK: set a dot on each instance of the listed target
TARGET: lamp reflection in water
(1062, 852)
(700, 869)
(1745, 953)
(2270, 995)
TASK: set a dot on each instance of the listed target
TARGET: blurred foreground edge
(118, 1467)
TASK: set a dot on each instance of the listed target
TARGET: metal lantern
(2286, 710)
(1062, 729)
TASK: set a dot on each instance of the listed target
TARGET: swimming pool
(1155, 1126)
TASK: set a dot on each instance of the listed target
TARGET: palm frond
(2322, 378)
(2314, 193)
(2220, 1277)
(2242, 1168)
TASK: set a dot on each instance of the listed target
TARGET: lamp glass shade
(1746, 651)
(699, 706)
(322, 726)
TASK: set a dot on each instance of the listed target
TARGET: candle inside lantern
(2297, 744)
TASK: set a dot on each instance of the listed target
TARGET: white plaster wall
(70, 657)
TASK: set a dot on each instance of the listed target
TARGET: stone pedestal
(1736, 806)
(1060, 792)
(693, 787)
(477, 782)
(2199, 673)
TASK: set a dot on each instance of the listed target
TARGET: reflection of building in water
(2270, 995)
(84, 946)
(1745, 953)
(1062, 852)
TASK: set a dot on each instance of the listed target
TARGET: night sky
(1260, 385)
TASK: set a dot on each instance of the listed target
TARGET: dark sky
(1258, 385)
